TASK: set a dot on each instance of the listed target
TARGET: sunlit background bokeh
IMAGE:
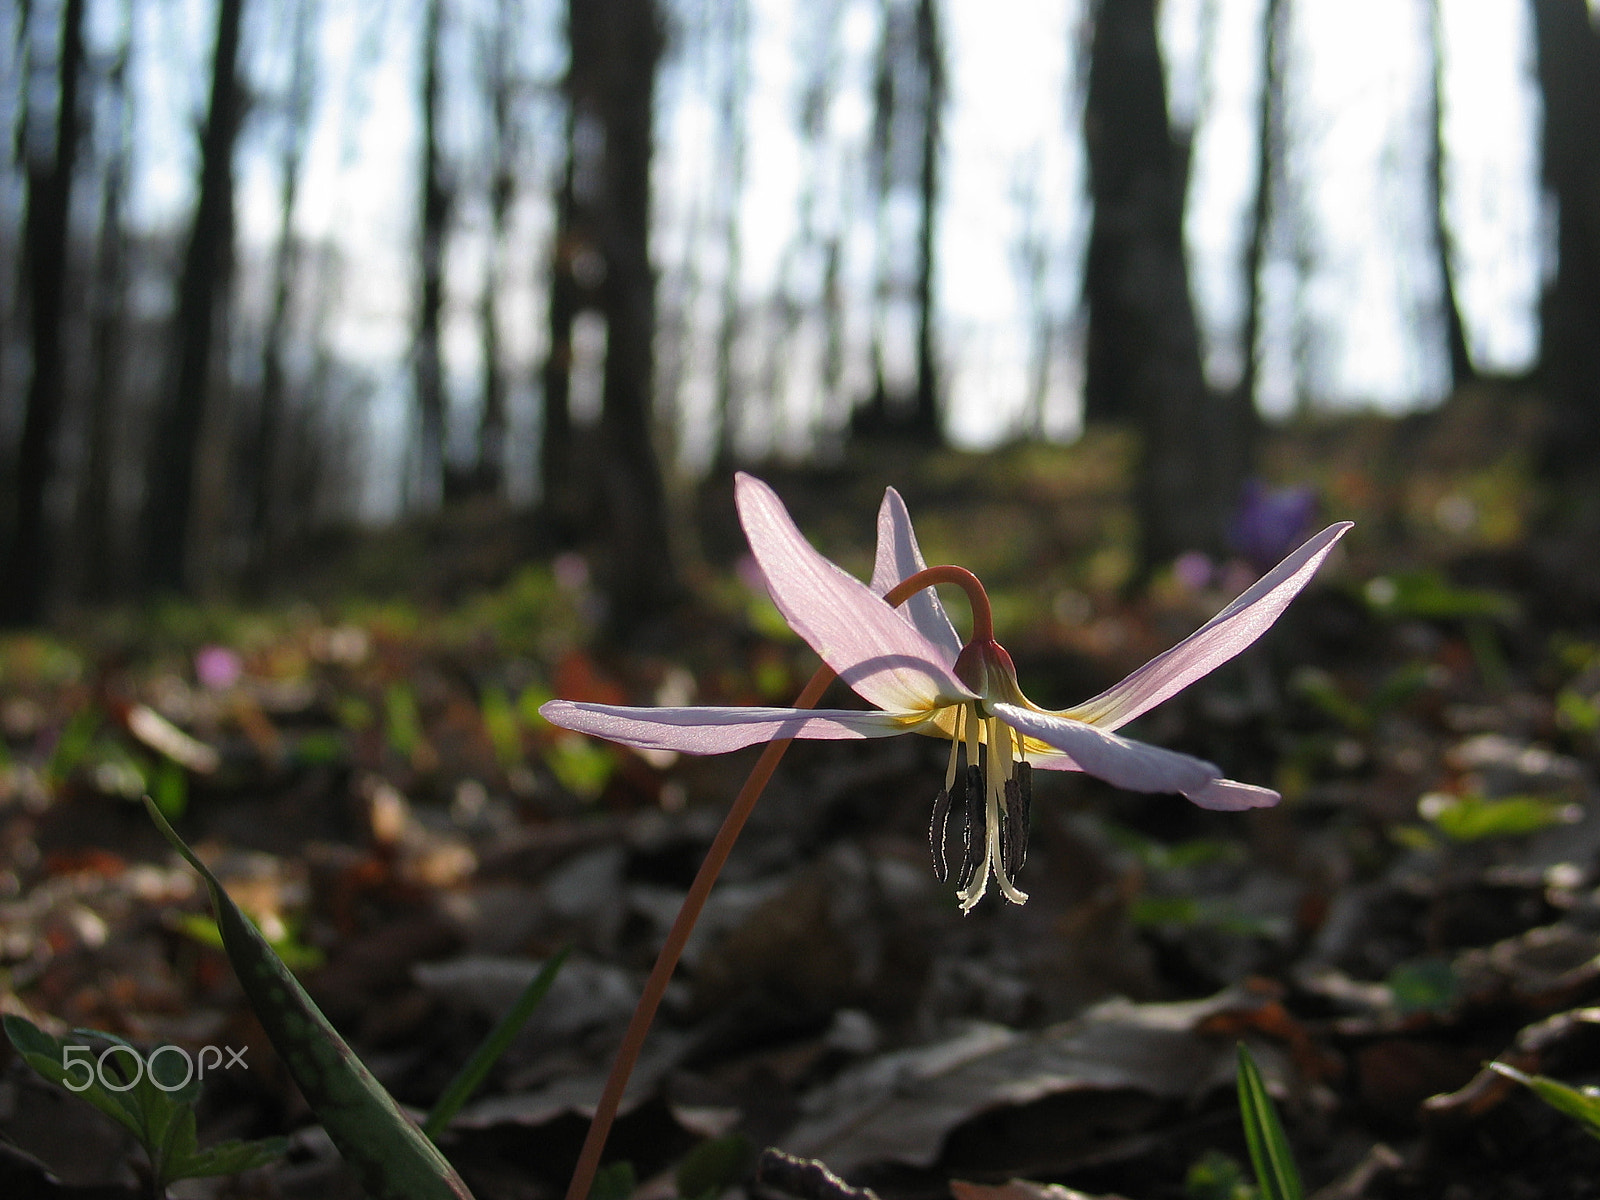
(1351, 289)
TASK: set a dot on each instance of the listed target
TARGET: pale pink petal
(875, 650)
(1136, 766)
(1051, 762)
(1229, 795)
(1214, 643)
(899, 557)
(717, 730)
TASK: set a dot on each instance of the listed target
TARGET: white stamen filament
(955, 742)
(1007, 743)
(1001, 748)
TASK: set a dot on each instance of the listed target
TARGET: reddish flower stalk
(655, 987)
(921, 678)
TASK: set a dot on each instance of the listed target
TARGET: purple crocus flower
(910, 663)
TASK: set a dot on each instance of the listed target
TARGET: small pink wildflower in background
(217, 667)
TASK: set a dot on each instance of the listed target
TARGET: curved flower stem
(655, 987)
(982, 614)
(667, 961)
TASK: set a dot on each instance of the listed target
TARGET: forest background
(272, 268)
(371, 373)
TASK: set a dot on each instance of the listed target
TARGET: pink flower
(910, 663)
(217, 667)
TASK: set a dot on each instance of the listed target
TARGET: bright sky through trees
(1360, 278)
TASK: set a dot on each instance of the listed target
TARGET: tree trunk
(202, 305)
(560, 506)
(930, 60)
(1244, 406)
(488, 475)
(267, 525)
(908, 101)
(1143, 346)
(620, 43)
(95, 540)
(732, 140)
(1461, 369)
(432, 228)
(24, 585)
(1569, 365)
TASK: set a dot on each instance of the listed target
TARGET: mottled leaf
(389, 1154)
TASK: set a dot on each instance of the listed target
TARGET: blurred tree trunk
(908, 108)
(616, 46)
(203, 287)
(488, 475)
(94, 540)
(1461, 369)
(1143, 345)
(560, 505)
(25, 581)
(1569, 362)
(1244, 408)
(432, 229)
(602, 262)
(267, 524)
(930, 61)
(1032, 257)
(732, 138)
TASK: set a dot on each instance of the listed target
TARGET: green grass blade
(1276, 1174)
(470, 1076)
(1581, 1106)
(388, 1153)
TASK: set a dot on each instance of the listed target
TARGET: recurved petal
(1229, 795)
(874, 649)
(1136, 766)
(718, 730)
(1214, 643)
(899, 557)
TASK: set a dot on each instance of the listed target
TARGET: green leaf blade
(1581, 1106)
(387, 1151)
(230, 1158)
(500, 1038)
(1276, 1173)
(47, 1054)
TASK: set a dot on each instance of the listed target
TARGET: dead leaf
(900, 1107)
(1021, 1189)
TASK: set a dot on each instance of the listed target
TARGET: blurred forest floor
(365, 770)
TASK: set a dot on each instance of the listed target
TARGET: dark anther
(972, 832)
(1019, 803)
(938, 827)
(1008, 827)
(1019, 816)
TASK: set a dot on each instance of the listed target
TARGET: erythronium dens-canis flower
(892, 642)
